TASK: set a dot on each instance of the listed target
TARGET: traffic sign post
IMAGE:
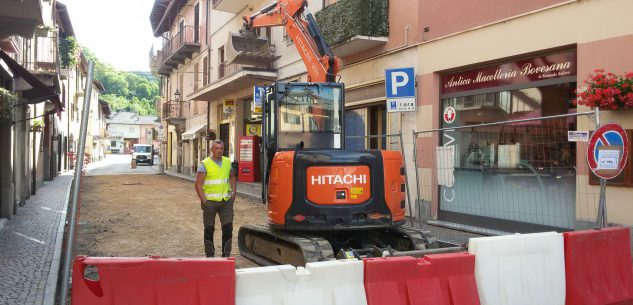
(606, 156)
(400, 89)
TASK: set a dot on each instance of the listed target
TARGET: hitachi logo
(338, 179)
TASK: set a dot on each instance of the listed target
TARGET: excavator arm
(321, 63)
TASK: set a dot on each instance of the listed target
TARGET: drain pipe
(77, 184)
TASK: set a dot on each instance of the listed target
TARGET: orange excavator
(324, 201)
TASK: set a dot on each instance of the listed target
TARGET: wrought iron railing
(225, 70)
(171, 110)
(189, 35)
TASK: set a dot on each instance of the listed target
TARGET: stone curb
(51, 283)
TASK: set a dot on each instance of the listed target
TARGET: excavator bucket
(248, 49)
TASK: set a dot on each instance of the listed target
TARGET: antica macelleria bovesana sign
(522, 71)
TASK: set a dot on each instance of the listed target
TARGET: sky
(118, 32)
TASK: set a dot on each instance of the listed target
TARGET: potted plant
(607, 91)
(7, 98)
(37, 126)
(211, 134)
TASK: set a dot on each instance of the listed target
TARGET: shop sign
(148, 135)
(229, 106)
(607, 151)
(449, 115)
(577, 136)
(254, 130)
(259, 93)
(160, 131)
(519, 72)
(400, 89)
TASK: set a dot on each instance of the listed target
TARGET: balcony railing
(45, 55)
(172, 110)
(174, 52)
(225, 70)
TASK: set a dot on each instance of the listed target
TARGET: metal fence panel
(522, 174)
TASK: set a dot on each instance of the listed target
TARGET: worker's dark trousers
(225, 210)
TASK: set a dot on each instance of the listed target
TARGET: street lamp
(177, 95)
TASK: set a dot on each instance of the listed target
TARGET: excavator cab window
(309, 116)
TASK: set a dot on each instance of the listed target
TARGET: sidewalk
(250, 189)
(31, 244)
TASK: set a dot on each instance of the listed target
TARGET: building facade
(519, 61)
(44, 77)
(125, 129)
(474, 61)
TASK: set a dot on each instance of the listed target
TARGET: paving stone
(28, 244)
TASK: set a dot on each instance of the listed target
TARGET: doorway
(224, 136)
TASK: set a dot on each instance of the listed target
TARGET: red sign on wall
(522, 71)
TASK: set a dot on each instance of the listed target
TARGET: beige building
(512, 177)
(40, 131)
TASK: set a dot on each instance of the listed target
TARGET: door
(224, 136)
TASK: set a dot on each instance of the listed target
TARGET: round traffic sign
(607, 151)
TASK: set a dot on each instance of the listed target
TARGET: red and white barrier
(598, 267)
(446, 279)
(584, 268)
(322, 283)
(153, 281)
(520, 269)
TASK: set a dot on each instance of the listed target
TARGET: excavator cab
(301, 116)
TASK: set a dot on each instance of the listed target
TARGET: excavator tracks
(266, 246)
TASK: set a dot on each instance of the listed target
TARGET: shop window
(625, 178)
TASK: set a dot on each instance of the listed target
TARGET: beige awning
(191, 132)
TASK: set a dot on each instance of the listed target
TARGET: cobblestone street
(31, 246)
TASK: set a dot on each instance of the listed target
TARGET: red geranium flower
(607, 91)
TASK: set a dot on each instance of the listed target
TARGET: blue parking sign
(400, 82)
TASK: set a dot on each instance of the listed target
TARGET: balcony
(354, 26)
(172, 113)
(20, 17)
(233, 77)
(179, 48)
(230, 6)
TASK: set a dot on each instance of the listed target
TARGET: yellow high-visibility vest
(216, 183)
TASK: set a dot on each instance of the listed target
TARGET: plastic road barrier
(320, 283)
(598, 266)
(149, 281)
(446, 279)
(526, 269)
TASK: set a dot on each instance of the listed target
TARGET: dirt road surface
(141, 215)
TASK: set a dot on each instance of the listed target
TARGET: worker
(216, 187)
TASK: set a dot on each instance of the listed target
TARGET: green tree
(130, 91)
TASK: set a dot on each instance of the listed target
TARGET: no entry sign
(607, 151)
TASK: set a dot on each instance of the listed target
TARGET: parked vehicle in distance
(143, 153)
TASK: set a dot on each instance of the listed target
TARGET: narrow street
(129, 212)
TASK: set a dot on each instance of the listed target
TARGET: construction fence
(511, 176)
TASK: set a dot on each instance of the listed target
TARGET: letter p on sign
(400, 82)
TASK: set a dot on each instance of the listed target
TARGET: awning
(44, 92)
(191, 132)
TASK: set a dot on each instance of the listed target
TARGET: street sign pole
(602, 204)
(606, 156)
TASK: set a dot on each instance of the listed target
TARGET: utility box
(249, 158)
